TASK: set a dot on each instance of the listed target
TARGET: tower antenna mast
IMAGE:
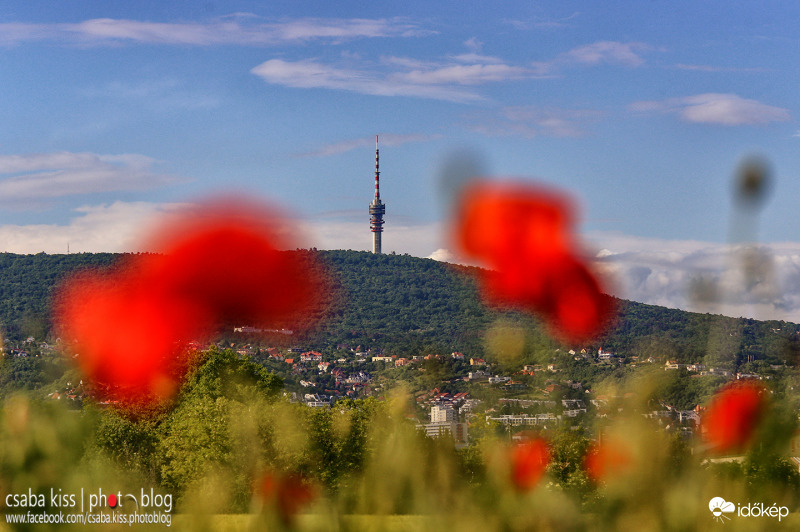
(376, 209)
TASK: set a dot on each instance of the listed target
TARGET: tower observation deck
(376, 209)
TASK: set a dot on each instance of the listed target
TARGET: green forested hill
(403, 302)
(27, 283)
(406, 305)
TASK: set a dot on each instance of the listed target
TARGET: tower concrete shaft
(376, 209)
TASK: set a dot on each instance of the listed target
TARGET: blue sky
(115, 112)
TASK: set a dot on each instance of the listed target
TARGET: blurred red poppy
(231, 256)
(607, 460)
(529, 461)
(523, 235)
(733, 416)
(221, 263)
(129, 339)
(286, 495)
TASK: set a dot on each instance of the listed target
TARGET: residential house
(605, 356)
(311, 356)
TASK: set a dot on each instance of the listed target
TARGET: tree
(209, 427)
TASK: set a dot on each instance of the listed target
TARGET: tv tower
(376, 209)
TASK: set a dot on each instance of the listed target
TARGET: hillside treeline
(410, 306)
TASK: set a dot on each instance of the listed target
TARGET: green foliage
(132, 442)
(196, 439)
(21, 373)
(41, 442)
(224, 374)
(339, 438)
(567, 453)
(198, 434)
(684, 392)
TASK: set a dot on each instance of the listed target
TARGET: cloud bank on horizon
(113, 114)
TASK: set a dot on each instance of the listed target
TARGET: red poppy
(129, 339)
(285, 494)
(731, 420)
(528, 463)
(523, 235)
(607, 460)
(231, 256)
(220, 263)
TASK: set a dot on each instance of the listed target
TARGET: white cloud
(477, 58)
(444, 255)
(532, 121)
(239, 30)
(311, 74)
(403, 76)
(407, 62)
(761, 282)
(473, 44)
(352, 144)
(474, 56)
(541, 23)
(730, 110)
(101, 228)
(35, 177)
(610, 52)
(463, 74)
(710, 68)
(716, 108)
(122, 227)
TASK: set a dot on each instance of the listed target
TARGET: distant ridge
(407, 305)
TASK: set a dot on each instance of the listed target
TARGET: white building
(440, 429)
(443, 414)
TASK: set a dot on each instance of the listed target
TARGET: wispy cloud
(444, 79)
(710, 68)
(477, 58)
(474, 56)
(716, 108)
(241, 30)
(312, 74)
(533, 121)
(474, 74)
(609, 52)
(36, 177)
(352, 144)
(159, 94)
(542, 23)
